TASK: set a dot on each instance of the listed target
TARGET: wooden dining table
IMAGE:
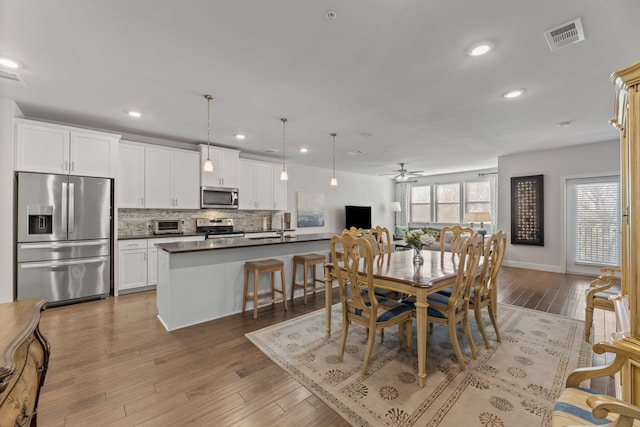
(396, 271)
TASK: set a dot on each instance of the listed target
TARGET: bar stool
(263, 266)
(309, 260)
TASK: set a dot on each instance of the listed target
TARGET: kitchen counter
(131, 236)
(240, 242)
(203, 280)
(150, 235)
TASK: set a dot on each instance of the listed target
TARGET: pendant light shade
(207, 166)
(284, 176)
(334, 180)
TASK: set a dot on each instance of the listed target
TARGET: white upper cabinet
(171, 178)
(130, 179)
(49, 148)
(260, 186)
(186, 179)
(225, 166)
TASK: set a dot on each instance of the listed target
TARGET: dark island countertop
(150, 235)
(240, 242)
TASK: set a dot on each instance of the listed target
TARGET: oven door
(219, 198)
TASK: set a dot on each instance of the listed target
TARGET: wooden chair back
(467, 272)
(487, 283)
(355, 272)
(458, 235)
(380, 239)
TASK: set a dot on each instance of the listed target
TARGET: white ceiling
(391, 77)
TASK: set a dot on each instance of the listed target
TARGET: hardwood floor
(112, 362)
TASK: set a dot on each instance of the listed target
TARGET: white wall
(556, 165)
(352, 189)
(8, 110)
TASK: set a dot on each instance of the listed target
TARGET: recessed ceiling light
(479, 49)
(135, 114)
(269, 150)
(240, 136)
(9, 63)
(356, 152)
(303, 150)
(565, 124)
(514, 93)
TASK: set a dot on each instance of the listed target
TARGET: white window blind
(597, 223)
(421, 203)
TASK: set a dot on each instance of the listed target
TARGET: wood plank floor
(112, 363)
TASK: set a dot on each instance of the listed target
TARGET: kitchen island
(201, 281)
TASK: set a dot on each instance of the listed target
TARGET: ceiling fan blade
(415, 171)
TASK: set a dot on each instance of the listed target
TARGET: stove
(217, 228)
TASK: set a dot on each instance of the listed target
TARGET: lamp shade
(395, 207)
(477, 217)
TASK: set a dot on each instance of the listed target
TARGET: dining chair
(452, 238)
(484, 292)
(454, 308)
(362, 305)
(598, 295)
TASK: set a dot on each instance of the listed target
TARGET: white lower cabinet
(132, 264)
(138, 261)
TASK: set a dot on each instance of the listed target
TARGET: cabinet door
(93, 154)
(186, 180)
(130, 180)
(41, 148)
(279, 190)
(246, 185)
(264, 186)
(152, 266)
(158, 178)
(132, 264)
(228, 166)
(225, 167)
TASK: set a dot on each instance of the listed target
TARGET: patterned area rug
(514, 383)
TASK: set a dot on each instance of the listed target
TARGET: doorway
(592, 224)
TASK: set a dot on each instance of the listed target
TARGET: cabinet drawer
(124, 245)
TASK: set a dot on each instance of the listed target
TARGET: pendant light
(334, 180)
(284, 176)
(207, 166)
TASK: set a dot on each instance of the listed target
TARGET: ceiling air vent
(565, 34)
(10, 77)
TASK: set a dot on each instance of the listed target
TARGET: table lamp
(480, 217)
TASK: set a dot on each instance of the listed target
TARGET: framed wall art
(527, 210)
(310, 209)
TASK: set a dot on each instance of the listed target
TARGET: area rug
(514, 383)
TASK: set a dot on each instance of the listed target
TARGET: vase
(417, 256)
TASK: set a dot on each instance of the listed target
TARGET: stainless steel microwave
(218, 198)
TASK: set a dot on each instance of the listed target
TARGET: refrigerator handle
(72, 208)
(64, 207)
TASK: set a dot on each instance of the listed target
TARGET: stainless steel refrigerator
(63, 245)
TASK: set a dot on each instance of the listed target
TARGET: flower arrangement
(419, 238)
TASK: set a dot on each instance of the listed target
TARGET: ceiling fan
(402, 174)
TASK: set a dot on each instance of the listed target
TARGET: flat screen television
(358, 216)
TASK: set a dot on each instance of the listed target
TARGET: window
(448, 203)
(477, 196)
(421, 203)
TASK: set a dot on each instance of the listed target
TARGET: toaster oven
(168, 226)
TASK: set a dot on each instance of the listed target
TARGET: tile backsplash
(138, 221)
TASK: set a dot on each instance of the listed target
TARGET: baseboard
(532, 266)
